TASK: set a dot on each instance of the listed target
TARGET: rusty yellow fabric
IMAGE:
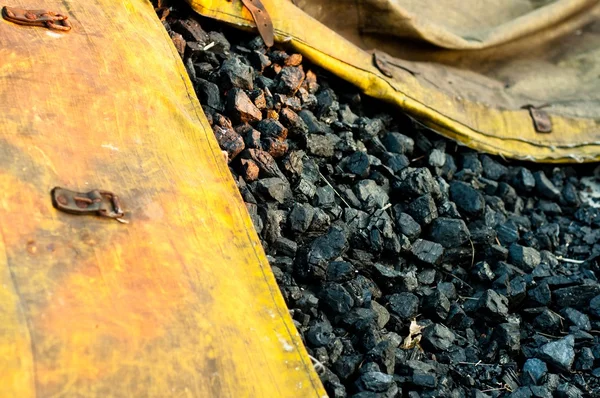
(181, 301)
(466, 68)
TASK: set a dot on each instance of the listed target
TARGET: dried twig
(319, 367)
(456, 277)
(334, 190)
(570, 260)
(472, 253)
(548, 335)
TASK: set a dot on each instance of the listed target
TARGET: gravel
(412, 267)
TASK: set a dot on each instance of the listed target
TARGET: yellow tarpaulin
(181, 301)
(470, 69)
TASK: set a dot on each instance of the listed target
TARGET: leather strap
(262, 19)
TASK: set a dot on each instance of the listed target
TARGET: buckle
(43, 18)
(541, 119)
(96, 202)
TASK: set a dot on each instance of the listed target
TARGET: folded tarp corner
(484, 66)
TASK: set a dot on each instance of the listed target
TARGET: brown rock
(241, 108)
(179, 43)
(293, 60)
(222, 121)
(190, 29)
(266, 163)
(250, 170)
(229, 141)
(276, 68)
(296, 126)
(290, 79)
(311, 82)
(258, 97)
(272, 114)
(293, 163)
(275, 147)
(291, 102)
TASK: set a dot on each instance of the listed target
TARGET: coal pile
(411, 267)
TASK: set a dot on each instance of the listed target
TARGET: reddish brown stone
(258, 97)
(293, 60)
(272, 114)
(311, 82)
(179, 43)
(265, 162)
(229, 141)
(241, 108)
(276, 148)
(250, 170)
(222, 121)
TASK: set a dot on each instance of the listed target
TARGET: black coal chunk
(581, 320)
(336, 299)
(526, 258)
(276, 188)
(423, 210)
(407, 226)
(585, 360)
(594, 307)
(545, 187)
(493, 307)
(437, 338)
(375, 381)
(300, 217)
(405, 305)
(369, 128)
(347, 365)
(509, 336)
(507, 232)
(384, 355)
(468, 200)
(324, 249)
(437, 304)
(358, 163)
(576, 296)
(398, 143)
(235, 73)
(320, 334)
(415, 182)
(533, 371)
(449, 232)
(483, 272)
(541, 295)
(340, 271)
(422, 374)
(492, 169)
(560, 353)
(523, 180)
(209, 94)
(428, 252)
(548, 321)
(371, 195)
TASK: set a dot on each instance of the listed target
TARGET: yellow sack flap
(545, 56)
(180, 302)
